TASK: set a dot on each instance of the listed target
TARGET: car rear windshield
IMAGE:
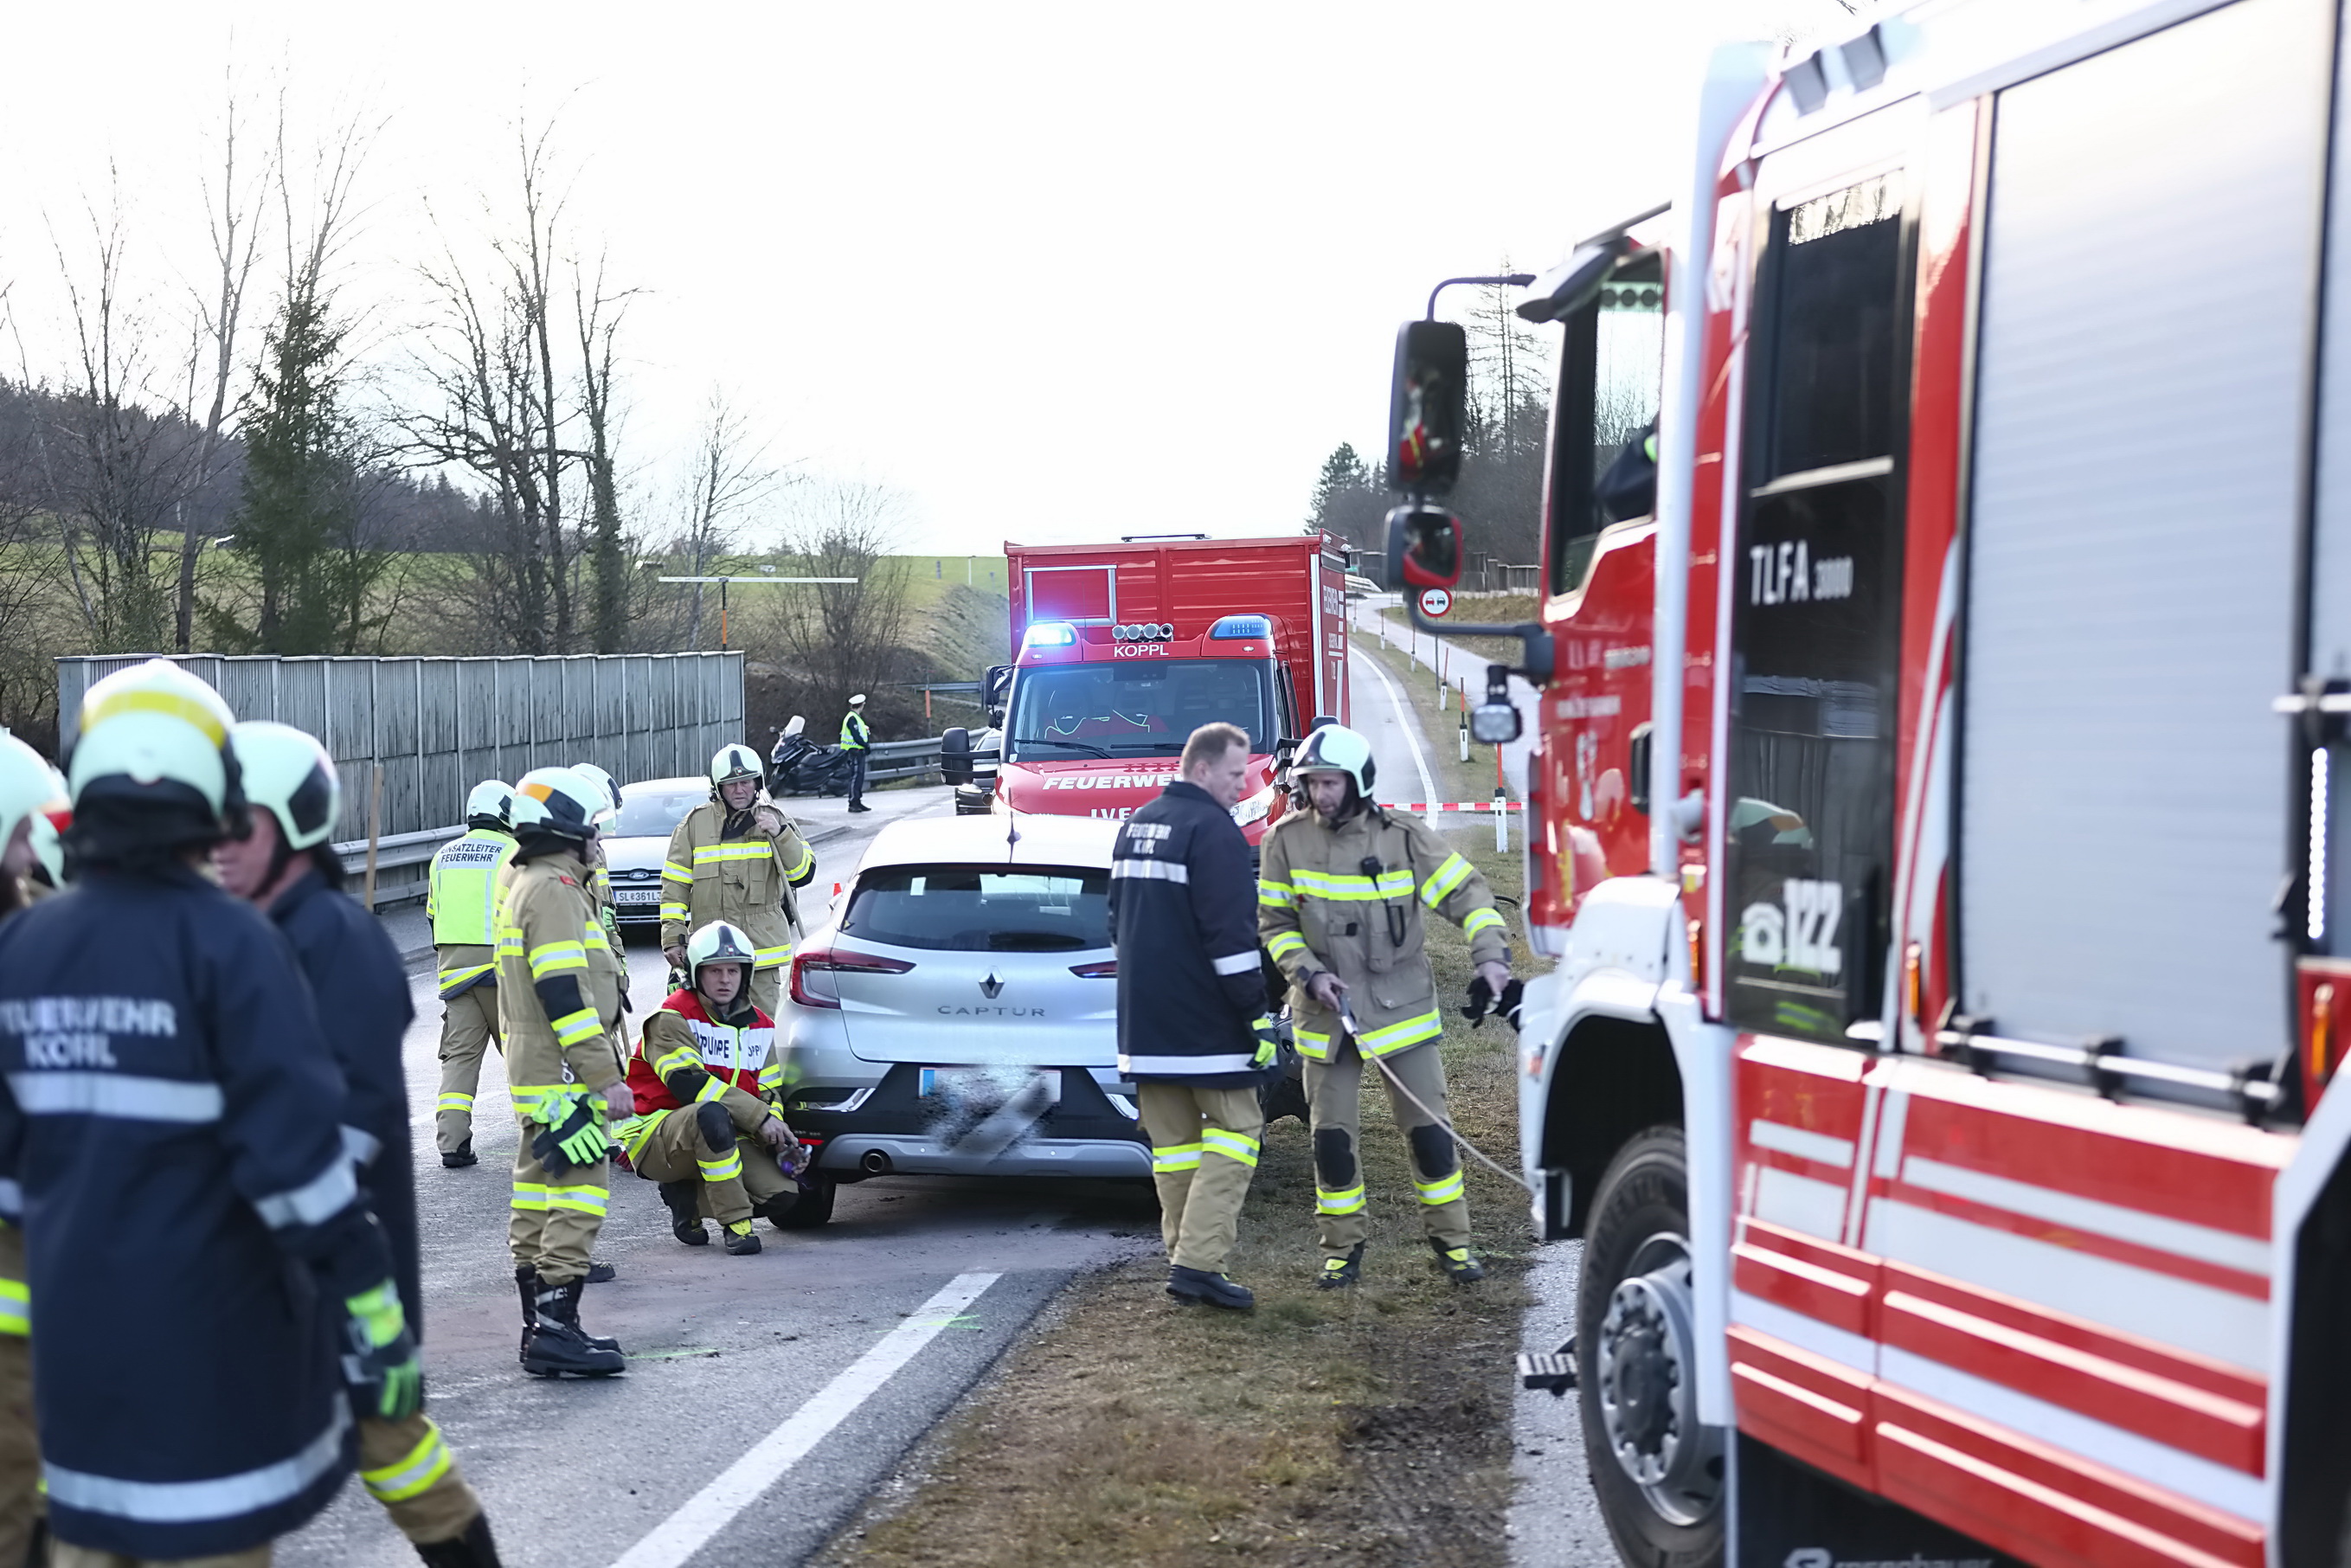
(652, 816)
(968, 909)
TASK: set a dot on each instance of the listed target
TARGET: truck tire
(811, 1209)
(1660, 1476)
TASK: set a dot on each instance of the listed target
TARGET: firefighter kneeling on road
(1340, 894)
(702, 1077)
(563, 1072)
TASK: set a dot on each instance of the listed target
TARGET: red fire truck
(1122, 650)
(1933, 797)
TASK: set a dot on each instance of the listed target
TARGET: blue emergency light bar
(1051, 634)
(1233, 627)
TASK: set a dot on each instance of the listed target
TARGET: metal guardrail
(888, 762)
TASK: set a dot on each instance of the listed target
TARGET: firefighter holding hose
(1342, 890)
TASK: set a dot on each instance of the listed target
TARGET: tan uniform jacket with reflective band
(1316, 909)
(556, 1043)
(746, 881)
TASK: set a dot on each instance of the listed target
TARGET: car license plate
(636, 895)
(987, 1088)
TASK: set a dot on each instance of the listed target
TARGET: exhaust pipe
(875, 1162)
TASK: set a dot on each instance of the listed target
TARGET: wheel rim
(1647, 1365)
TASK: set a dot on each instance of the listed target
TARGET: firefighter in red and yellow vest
(1341, 891)
(26, 786)
(705, 1079)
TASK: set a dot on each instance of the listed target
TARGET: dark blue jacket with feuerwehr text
(1183, 910)
(171, 1123)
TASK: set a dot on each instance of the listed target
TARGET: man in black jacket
(284, 865)
(1191, 1028)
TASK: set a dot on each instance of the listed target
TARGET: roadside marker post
(1501, 823)
(1464, 733)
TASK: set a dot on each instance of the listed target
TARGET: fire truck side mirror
(1426, 407)
(955, 756)
(1424, 547)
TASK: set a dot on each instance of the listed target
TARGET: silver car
(635, 843)
(959, 1012)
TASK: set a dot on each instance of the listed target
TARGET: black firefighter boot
(1458, 1266)
(680, 1198)
(474, 1549)
(528, 1287)
(558, 1344)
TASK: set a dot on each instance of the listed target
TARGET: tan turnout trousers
(554, 1219)
(20, 1441)
(406, 1466)
(469, 1027)
(732, 1183)
(1334, 1092)
(1204, 1148)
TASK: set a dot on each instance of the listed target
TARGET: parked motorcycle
(799, 766)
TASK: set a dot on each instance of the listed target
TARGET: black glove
(578, 1140)
(1483, 1001)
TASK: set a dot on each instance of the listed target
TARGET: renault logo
(991, 988)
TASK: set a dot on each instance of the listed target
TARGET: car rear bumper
(1082, 1134)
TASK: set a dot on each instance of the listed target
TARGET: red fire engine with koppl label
(1121, 650)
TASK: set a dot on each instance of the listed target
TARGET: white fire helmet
(719, 942)
(735, 761)
(492, 798)
(287, 769)
(1335, 748)
(154, 724)
(561, 803)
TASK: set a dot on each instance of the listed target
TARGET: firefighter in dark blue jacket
(211, 1296)
(285, 867)
(1191, 1028)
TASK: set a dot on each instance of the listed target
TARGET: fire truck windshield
(1064, 711)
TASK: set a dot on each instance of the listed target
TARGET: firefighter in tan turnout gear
(1341, 891)
(706, 1081)
(564, 1073)
(736, 858)
(461, 901)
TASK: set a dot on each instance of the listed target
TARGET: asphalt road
(735, 1362)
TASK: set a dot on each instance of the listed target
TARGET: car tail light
(836, 961)
(1105, 970)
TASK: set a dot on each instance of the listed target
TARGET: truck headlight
(1254, 808)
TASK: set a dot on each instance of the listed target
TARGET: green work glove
(578, 1140)
(383, 1371)
(1269, 1044)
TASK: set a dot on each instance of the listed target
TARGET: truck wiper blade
(1089, 748)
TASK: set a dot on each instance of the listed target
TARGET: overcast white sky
(1051, 272)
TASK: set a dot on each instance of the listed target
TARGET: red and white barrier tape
(1452, 806)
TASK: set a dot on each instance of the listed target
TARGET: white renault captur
(958, 1014)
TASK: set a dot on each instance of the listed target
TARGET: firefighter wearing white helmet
(705, 1079)
(736, 858)
(286, 867)
(461, 901)
(213, 1165)
(562, 1065)
(26, 788)
(1341, 890)
(600, 884)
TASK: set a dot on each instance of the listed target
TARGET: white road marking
(1404, 723)
(674, 1541)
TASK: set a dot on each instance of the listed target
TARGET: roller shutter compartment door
(2148, 306)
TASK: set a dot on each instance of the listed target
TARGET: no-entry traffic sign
(1435, 601)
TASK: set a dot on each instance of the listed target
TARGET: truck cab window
(1815, 620)
(1611, 371)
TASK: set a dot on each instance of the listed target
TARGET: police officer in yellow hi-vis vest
(1341, 890)
(736, 858)
(461, 900)
(564, 1073)
(856, 744)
